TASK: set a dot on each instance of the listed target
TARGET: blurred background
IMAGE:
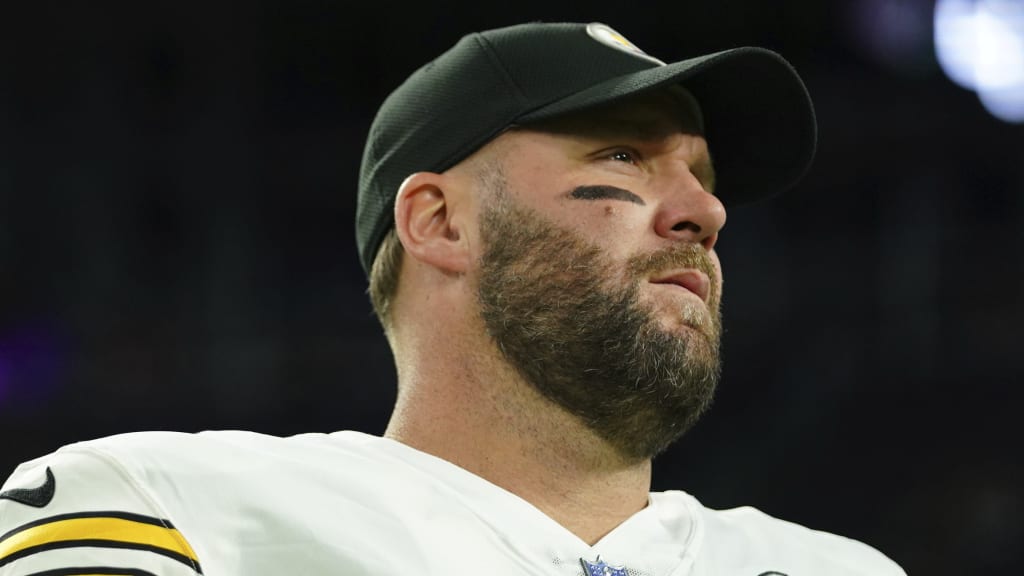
(177, 192)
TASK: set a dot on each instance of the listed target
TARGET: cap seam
(492, 55)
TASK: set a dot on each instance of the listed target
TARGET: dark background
(177, 191)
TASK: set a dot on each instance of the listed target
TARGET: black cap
(758, 117)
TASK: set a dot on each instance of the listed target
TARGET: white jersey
(247, 504)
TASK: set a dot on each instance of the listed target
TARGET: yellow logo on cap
(609, 37)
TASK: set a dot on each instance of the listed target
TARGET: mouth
(694, 281)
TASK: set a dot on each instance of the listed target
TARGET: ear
(426, 223)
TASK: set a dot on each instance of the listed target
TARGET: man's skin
(458, 396)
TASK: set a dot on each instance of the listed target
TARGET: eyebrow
(599, 192)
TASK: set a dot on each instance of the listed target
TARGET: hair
(384, 276)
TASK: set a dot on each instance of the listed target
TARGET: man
(538, 209)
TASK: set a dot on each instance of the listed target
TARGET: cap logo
(609, 37)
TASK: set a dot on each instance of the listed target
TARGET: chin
(686, 319)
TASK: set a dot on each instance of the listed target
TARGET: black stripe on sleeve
(97, 514)
(104, 570)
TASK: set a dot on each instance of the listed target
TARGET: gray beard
(590, 347)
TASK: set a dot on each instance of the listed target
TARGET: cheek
(619, 232)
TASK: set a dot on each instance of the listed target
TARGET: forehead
(649, 116)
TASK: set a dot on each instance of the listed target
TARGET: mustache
(688, 255)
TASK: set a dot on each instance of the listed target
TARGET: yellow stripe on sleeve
(118, 530)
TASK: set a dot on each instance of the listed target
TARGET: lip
(693, 280)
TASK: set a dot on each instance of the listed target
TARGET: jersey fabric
(348, 503)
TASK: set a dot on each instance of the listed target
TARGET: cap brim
(758, 116)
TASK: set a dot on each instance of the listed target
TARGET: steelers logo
(609, 37)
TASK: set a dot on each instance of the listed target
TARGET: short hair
(384, 277)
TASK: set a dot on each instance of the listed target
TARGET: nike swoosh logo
(37, 497)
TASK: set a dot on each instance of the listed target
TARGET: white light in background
(980, 45)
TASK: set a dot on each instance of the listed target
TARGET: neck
(476, 412)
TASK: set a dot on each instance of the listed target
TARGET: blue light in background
(979, 45)
(5, 379)
(32, 362)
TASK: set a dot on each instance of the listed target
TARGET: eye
(625, 155)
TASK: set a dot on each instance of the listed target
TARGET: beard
(560, 313)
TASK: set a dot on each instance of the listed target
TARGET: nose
(690, 213)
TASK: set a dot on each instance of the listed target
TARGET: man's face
(598, 279)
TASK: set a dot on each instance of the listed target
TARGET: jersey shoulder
(796, 547)
(82, 506)
(115, 500)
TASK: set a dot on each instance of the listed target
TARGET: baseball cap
(758, 116)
